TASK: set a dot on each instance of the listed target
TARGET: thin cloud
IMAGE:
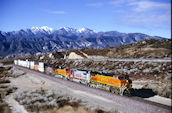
(117, 2)
(143, 14)
(97, 4)
(57, 12)
(148, 21)
(140, 6)
(119, 11)
(151, 21)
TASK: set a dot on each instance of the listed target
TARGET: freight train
(115, 83)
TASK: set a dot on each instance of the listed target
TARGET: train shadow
(143, 93)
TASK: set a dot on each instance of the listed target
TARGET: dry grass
(149, 48)
(5, 89)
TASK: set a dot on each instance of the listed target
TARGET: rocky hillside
(149, 48)
(154, 75)
(43, 39)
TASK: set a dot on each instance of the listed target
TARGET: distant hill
(44, 39)
(149, 48)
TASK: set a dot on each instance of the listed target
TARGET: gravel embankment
(41, 100)
(5, 88)
(38, 94)
(93, 97)
(158, 72)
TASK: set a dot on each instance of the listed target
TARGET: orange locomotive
(119, 84)
(65, 72)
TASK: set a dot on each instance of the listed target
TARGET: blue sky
(151, 17)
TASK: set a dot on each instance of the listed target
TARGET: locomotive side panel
(81, 75)
(105, 80)
(61, 72)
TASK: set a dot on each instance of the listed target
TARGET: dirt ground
(29, 82)
(5, 88)
(138, 84)
(158, 72)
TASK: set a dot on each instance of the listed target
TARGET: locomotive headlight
(123, 85)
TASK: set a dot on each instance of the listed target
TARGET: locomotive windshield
(126, 77)
(123, 77)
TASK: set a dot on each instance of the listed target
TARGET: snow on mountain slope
(86, 30)
(44, 29)
(45, 39)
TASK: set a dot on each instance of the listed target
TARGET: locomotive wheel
(127, 92)
(114, 90)
(117, 91)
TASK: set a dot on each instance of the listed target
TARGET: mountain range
(38, 40)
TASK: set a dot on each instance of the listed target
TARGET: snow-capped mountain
(45, 39)
(66, 30)
(85, 30)
(44, 29)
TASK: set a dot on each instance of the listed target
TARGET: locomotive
(115, 83)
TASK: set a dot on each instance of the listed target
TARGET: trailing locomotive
(115, 83)
(80, 76)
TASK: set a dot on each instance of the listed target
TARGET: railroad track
(130, 104)
(127, 59)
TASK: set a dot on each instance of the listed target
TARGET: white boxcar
(41, 67)
(19, 62)
(15, 62)
(27, 63)
(81, 76)
(32, 63)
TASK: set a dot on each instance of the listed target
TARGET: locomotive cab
(125, 82)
